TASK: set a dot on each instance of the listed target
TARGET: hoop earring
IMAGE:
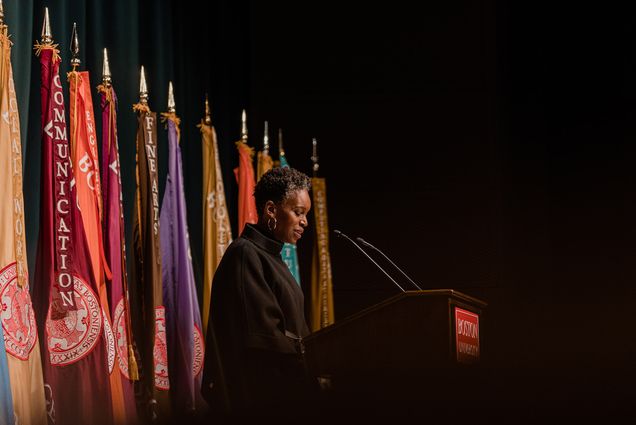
(269, 224)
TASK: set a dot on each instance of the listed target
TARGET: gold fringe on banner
(242, 145)
(38, 47)
(106, 90)
(140, 107)
(165, 116)
(133, 369)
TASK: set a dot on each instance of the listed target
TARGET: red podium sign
(466, 336)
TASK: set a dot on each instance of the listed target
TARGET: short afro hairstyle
(277, 184)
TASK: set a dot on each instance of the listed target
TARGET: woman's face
(291, 216)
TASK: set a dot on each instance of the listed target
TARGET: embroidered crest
(121, 338)
(199, 351)
(160, 351)
(110, 342)
(16, 313)
(73, 337)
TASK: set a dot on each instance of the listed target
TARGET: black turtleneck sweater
(256, 311)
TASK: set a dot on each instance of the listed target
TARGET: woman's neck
(262, 227)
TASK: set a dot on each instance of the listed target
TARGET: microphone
(367, 244)
(339, 233)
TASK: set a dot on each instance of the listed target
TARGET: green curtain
(202, 49)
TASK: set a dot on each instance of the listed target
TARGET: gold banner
(322, 311)
(263, 165)
(217, 234)
(18, 318)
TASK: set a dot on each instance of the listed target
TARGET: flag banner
(289, 253)
(68, 310)
(147, 311)
(264, 163)
(85, 165)
(183, 322)
(6, 402)
(245, 178)
(217, 233)
(322, 311)
(16, 309)
(86, 169)
(115, 252)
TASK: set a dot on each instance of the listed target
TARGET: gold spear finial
(75, 60)
(106, 70)
(314, 156)
(171, 105)
(47, 37)
(266, 139)
(281, 151)
(208, 114)
(143, 89)
(244, 126)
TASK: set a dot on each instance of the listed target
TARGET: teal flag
(6, 402)
(289, 254)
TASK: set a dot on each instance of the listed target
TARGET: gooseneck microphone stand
(339, 233)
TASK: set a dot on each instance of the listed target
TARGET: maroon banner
(71, 324)
(115, 251)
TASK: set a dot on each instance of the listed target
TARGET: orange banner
(86, 169)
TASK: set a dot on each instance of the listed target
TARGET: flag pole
(47, 38)
(172, 112)
(266, 139)
(141, 107)
(4, 30)
(75, 60)
(245, 178)
(171, 105)
(106, 77)
(244, 127)
(143, 89)
(46, 42)
(3, 27)
(208, 114)
(281, 151)
(314, 156)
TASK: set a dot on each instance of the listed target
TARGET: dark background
(485, 146)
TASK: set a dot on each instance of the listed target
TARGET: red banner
(245, 178)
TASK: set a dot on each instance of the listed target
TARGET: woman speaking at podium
(257, 309)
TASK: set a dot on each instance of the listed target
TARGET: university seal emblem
(73, 337)
(160, 352)
(16, 314)
(121, 338)
(199, 352)
(110, 342)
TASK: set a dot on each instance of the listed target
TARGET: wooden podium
(413, 346)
